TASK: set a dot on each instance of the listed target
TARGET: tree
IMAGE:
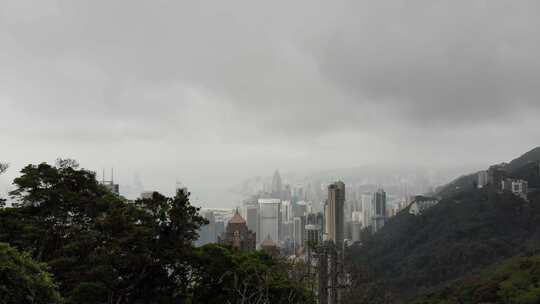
(103, 249)
(221, 274)
(100, 248)
(23, 280)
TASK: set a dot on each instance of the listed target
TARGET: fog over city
(211, 93)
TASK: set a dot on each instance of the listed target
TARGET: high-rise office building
(287, 216)
(287, 192)
(313, 229)
(270, 219)
(207, 233)
(367, 209)
(277, 189)
(251, 215)
(356, 230)
(286, 211)
(379, 210)
(298, 232)
(334, 214)
(300, 208)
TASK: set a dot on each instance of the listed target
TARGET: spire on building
(276, 185)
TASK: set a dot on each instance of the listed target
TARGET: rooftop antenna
(103, 175)
(112, 175)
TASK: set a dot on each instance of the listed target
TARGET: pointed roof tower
(237, 218)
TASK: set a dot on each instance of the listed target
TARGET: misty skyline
(212, 93)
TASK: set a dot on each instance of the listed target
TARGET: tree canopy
(224, 275)
(100, 248)
(514, 281)
(464, 233)
(23, 280)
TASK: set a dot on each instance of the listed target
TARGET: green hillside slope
(412, 255)
(515, 281)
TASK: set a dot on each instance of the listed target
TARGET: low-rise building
(422, 203)
(517, 186)
(238, 235)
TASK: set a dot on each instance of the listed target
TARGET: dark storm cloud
(201, 87)
(455, 61)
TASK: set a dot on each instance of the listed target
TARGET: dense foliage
(467, 231)
(516, 281)
(23, 280)
(222, 275)
(414, 254)
(101, 248)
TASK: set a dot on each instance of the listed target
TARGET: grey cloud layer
(278, 83)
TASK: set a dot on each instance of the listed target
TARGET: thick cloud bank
(207, 92)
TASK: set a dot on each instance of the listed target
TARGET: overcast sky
(212, 92)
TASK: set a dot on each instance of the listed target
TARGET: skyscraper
(334, 214)
(207, 233)
(299, 232)
(379, 210)
(276, 186)
(251, 214)
(367, 209)
(286, 220)
(269, 219)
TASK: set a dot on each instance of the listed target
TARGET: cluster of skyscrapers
(296, 226)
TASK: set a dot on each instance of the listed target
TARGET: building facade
(518, 187)
(277, 189)
(421, 203)
(334, 214)
(379, 210)
(238, 235)
(270, 219)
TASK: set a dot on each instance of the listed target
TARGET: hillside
(413, 255)
(526, 167)
(532, 156)
(512, 281)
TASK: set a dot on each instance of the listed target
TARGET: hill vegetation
(514, 281)
(524, 167)
(467, 231)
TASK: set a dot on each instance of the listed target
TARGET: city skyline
(306, 152)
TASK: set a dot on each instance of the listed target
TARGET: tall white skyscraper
(269, 219)
(367, 210)
(287, 216)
